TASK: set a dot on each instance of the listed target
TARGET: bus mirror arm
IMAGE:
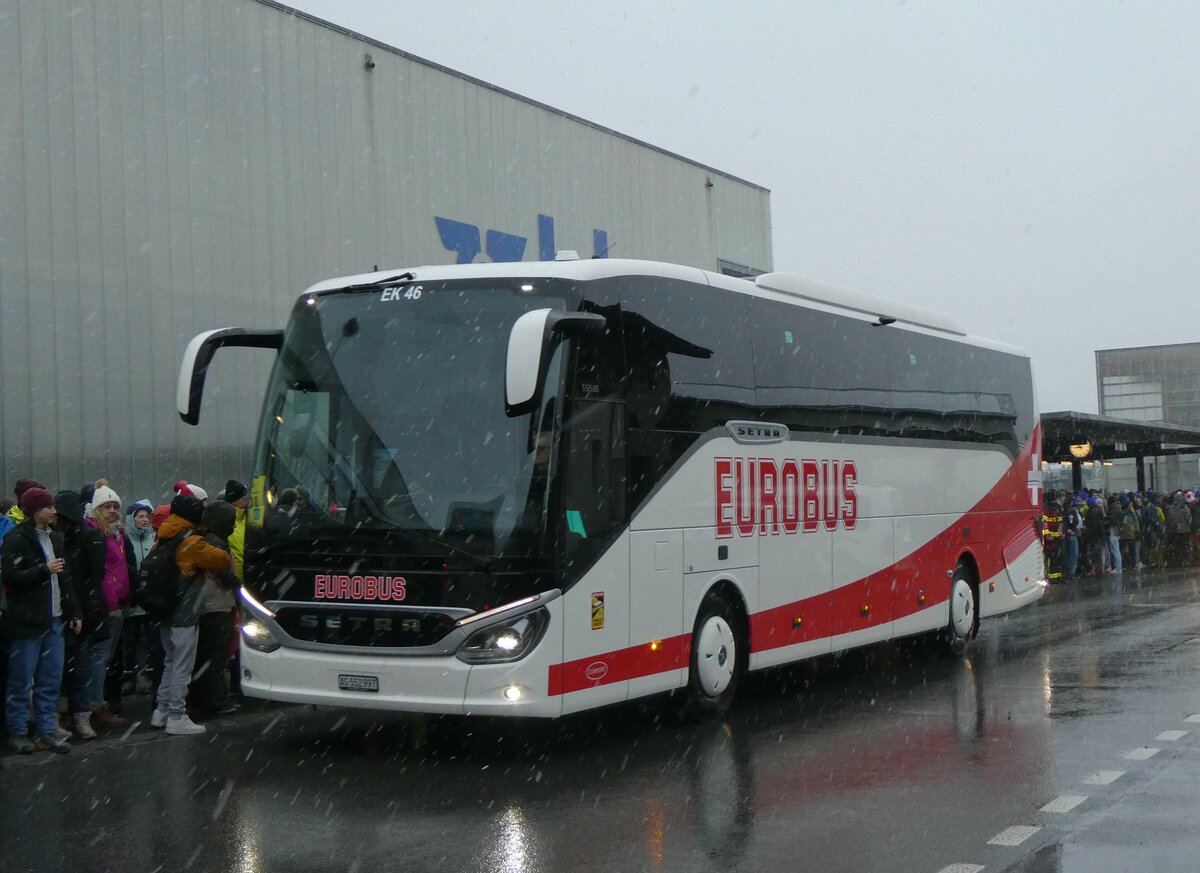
(529, 344)
(199, 354)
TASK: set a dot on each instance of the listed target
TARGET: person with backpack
(1072, 529)
(1112, 512)
(1131, 532)
(1179, 531)
(180, 567)
(41, 605)
(141, 646)
(1152, 531)
(1095, 535)
(209, 692)
(88, 656)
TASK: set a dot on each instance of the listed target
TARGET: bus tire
(964, 612)
(717, 659)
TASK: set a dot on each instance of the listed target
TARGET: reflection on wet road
(889, 758)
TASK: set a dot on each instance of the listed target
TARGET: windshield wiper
(390, 282)
(480, 562)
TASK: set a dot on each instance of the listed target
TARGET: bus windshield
(386, 411)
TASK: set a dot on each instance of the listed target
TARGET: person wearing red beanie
(159, 515)
(41, 603)
(16, 513)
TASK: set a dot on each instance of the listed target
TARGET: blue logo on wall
(466, 242)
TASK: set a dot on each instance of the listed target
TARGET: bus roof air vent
(566, 255)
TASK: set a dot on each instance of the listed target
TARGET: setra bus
(537, 488)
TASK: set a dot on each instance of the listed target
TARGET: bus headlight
(508, 640)
(258, 636)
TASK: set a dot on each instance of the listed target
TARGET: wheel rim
(716, 656)
(962, 609)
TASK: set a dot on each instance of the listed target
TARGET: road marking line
(1193, 719)
(1104, 777)
(1014, 835)
(1142, 754)
(1064, 803)
(1171, 736)
(962, 868)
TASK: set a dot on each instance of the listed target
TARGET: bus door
(593, 554)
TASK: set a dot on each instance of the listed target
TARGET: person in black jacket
(86, 659)
(41, 602)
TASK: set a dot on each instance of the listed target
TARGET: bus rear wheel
(964, 612)
(716, 661)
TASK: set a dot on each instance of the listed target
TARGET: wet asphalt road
(889, 758)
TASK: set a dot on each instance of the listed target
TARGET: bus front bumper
(401, 684)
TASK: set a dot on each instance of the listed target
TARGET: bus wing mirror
(199, 354)
(528, 346)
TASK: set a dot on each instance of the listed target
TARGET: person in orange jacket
(194, 556)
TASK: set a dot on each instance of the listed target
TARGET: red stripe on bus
(918, 581)
(621, 665)
(1002, 519)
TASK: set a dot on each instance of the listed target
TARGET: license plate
(347, 682)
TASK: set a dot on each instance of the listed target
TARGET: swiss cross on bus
(767, 497)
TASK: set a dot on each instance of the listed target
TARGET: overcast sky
(1032, 169)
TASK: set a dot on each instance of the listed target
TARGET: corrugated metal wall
(168, 166)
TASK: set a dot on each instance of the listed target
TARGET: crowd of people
(73, 640)
(1092, 533)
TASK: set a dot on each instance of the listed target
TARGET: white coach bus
(536, 488)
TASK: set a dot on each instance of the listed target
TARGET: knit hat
(235, 491)
(24, 485)
(159, 515)
(188, 507)
(139, 505)
(183, 487)
(219, 518)
(104, 494)
(34, 499)
(69, 506)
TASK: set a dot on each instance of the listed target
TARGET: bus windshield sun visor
(199, 354)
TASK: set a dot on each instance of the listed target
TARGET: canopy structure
(1076, 437)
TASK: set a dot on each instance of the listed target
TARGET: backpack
(1152, 521)
(159, 582)
(1130, 529)
(1179, 518)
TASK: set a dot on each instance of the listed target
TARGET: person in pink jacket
(105, 516)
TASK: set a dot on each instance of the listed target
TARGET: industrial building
(167, 167)
(1148, 429)
(1151, 383)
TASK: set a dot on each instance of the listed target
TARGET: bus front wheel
(964, 612)
(716, 661)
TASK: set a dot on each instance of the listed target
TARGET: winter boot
(82, 722)
(103, 717)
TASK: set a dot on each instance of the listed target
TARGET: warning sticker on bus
(597, 610)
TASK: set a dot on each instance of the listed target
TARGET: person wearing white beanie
(105, 516)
